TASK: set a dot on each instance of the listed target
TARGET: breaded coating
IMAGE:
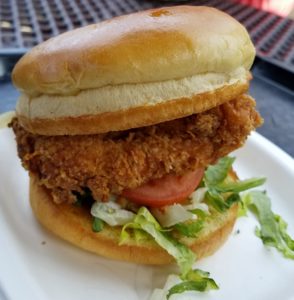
(109, 163)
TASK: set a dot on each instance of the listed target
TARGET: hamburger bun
(74, 224)
(133, 71)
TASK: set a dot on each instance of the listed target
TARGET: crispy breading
(109, 163)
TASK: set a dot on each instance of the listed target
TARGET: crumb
(237, 231)
(43, 243)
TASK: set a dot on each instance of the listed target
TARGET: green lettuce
(217, 183)
(97, 225)
(190, 229)
(273, 229)
(217, 173)
(216, 200)
(195, 280)
(146, 222)
(239, 186)
(111, 213)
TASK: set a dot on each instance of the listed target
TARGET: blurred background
(25, 23)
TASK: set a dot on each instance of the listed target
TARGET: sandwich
(125, 126)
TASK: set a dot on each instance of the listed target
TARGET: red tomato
(166, 190)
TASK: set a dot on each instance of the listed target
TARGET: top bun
(149, 46)
(136, 60)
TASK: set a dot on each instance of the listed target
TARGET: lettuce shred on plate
(273, 229)
(195, 280)
(217, 192)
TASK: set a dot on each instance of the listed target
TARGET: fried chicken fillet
(109, 163)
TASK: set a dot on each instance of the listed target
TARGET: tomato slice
(167, 190)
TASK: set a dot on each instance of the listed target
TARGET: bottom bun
(74, 224)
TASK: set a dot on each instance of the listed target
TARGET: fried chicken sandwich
(125, 127)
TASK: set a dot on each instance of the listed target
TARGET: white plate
(36, 265)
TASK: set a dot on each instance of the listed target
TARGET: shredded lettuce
(193, 227)
(195, 280)
(111, 213)
(239, 186)
(146, 222)
(216, 183)
(216, 200)
(273, 229)
(200, 213)
(201, 207)
(243, 208)
(124, 234)
(217, 173)
(197, 196)
(172, 214)
(190, 229)
(97, 225)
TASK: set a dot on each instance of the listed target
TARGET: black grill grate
(25, 23)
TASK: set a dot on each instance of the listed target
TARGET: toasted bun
(159, 57)
(74, 224)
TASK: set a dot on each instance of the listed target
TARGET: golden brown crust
(149, 46)
(134, 117)
(74, 225)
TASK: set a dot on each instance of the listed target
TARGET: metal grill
(25, 23)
